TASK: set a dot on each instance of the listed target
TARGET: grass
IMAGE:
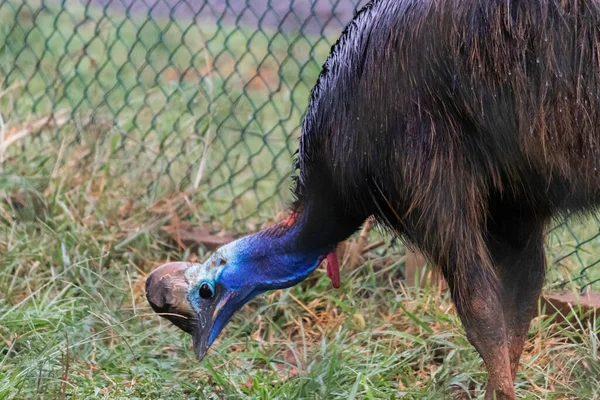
(74, 322)
(82, 203)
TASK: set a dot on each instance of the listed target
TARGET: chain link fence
(200, 96)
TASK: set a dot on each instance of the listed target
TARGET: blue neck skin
(270, 259)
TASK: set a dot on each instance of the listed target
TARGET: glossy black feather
(444, 118)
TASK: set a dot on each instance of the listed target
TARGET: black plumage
(464, 127)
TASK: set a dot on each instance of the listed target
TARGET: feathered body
(446, 118)
(464, 126)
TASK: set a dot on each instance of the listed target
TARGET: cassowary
(464, 127)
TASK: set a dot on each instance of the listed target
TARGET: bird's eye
(206, 291)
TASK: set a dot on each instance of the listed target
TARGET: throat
(297, 246)
(288, 262)
(285, 254)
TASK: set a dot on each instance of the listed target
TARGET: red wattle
(333, 269)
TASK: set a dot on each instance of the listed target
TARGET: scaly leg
(522, 276)
(486, 330)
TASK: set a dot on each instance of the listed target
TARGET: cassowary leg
(480, 309)
(522, 278)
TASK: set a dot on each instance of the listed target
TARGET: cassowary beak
(167, 293)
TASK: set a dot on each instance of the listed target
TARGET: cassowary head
(201, 298)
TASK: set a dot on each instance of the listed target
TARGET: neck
(285, 254)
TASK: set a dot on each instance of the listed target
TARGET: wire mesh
(202, 96)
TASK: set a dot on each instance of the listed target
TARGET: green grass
(82, 204)
(74, 322)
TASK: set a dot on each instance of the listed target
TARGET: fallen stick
(373, 246)
(361, 242)
(11, 137)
